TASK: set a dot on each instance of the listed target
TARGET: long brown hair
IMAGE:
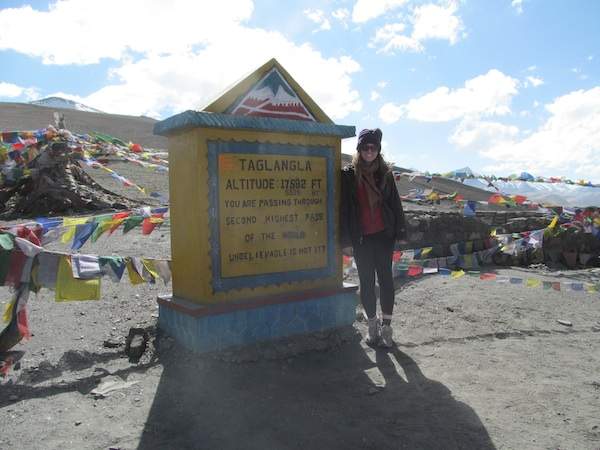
(381, 171)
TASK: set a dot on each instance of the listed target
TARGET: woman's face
(369, 152)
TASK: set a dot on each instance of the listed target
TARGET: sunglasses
(369, 148)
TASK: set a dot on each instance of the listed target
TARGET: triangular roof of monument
(235, 99)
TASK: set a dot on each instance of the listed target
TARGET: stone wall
(571, 248)
(440, 229)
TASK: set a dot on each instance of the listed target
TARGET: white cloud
(485, 95)
(437, 22)
(429, 21)
(12, 91)
(518, 5)
(375, 96)
(532, 68)
(382, 84)
(474, 133)
(182, 60)
(365, 10)
(534, 81)
(181, 81)
(568, 142)
(318, 16)
(85, 31)
(341, 14)
(389, 38)
(590, 57)
(390, 113)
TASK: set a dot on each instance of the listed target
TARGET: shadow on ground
(327, 400)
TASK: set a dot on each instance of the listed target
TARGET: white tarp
(559, 194)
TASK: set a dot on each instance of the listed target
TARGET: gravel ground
(478, 365)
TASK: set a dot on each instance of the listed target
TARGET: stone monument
(254, 184)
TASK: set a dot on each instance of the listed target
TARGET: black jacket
(393, 215)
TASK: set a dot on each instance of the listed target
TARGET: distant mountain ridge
(63, 103)
(26, 116)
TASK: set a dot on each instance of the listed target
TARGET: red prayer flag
(413, 271)
(123, 216)
(396, 256)
(520, 199)
(136, 148)
(495, 198)
(23, 324)
(6, 365)
(16, 263)
(487, 276)
(33, 236)
(148, 224)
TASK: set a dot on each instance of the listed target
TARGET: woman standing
(371, 220)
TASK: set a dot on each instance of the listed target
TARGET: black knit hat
(367, 136)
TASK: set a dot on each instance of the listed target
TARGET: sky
(500, 86)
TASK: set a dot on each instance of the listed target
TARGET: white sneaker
(387, 333)
(374, 333)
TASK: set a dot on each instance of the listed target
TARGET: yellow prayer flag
(493, 233)
(71, 223)
(553, 223)
(589, 287)
(533, 282)
(103, 227)
(69, 288)
(8, 311)
(425, 251)
(457, 273)
(433, 196)
(134, 276)
(150, 267)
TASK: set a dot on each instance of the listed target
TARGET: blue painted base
(200, 330)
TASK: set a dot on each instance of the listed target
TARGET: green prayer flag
(104, 224)
(131, 222)
(7, 241)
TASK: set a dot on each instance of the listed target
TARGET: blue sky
(501, 86)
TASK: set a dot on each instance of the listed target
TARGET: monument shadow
(321, 400)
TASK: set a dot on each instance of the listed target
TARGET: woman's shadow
(422, 413)
(320, 400)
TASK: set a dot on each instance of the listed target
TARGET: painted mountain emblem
(272, 96)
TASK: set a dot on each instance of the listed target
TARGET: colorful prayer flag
(69, 288)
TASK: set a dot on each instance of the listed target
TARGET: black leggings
(375, 255)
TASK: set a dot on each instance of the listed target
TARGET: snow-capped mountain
(63, 103)
(272, 97)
